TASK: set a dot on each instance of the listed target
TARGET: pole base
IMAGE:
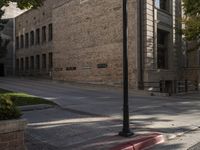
(126, 133)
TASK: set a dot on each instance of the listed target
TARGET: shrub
(7, 109)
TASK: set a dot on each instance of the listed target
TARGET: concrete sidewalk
(172, 116)
(56, 129)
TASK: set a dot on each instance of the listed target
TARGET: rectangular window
(38, 36)
(22, 64)
(162, 49)
(27, 63)
(17, 65)
(50, 32)
(50, 60)
(32, 63)
(22, 41)
(27, 40)
(163, 4)
(44, 61)
(44, 34)
(17, 42)
(38, 62)
(32, 38)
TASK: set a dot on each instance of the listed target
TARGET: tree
(22, 4)
(191, 19)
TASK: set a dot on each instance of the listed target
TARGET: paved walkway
(88, 115)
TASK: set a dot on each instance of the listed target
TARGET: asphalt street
(85, 111)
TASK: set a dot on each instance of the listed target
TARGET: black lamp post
(126, 132)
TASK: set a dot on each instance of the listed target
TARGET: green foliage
(22, 4)
(191, 19)
(7, 109)
(191, 7)
(22, 99)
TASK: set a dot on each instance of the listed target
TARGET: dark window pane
(162, 4)
(38, 62)
(50, 32)
(162, 49)
(50, 60)
(17, 42)
(162, 37)
(22, 41)
(44, 34)
(44, 63)
(27, 63)
(38, 36)
(17, 65)
(22, 64)
(27, 40)
(32, 62)
(32, 40)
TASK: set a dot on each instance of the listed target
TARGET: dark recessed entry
(2, 70)
(102, 65)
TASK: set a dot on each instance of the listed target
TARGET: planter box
(12, 134)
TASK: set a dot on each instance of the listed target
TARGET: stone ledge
(7, 126)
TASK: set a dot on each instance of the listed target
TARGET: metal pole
(126, 130)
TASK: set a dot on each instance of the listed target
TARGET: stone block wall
(12, 135)
(12, 141)
(153, 19)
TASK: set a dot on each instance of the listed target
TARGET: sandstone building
(81, 41)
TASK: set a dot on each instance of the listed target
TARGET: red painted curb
(141, 142)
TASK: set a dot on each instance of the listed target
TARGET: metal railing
(176, 86)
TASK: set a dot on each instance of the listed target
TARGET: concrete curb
(141, 142)
(35, 107)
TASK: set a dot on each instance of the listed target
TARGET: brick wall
(88, 35)
(29, 21)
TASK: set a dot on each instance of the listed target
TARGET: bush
(7, 109)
